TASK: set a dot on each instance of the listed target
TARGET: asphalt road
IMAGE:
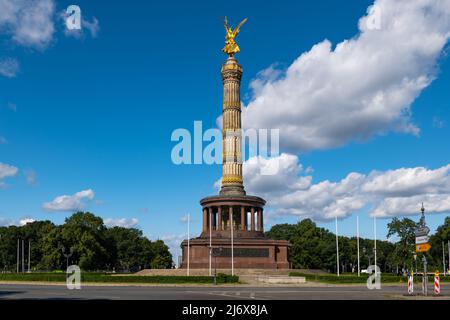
(52, 292)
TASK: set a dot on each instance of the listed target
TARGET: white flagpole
(443, 255)
(337, 248)
(448, 246)
(23, 256)
(18, 254)
(210, 241)
(188, 249)
(357, 242)
(375, 245)
(232, 245)
(29, 255)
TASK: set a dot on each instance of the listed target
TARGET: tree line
(83, 240)
(315, 248)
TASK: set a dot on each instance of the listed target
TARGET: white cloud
(6, 171)
(93, 27)
(407, 182)
(435, 203)
(173, 242)
(70, 203)
(184, 219)
(28, 22)
(287, 179)
(6, 222)
(389, 193)
(9, 67)
(25, 221)
(123, 222)
(362, 87)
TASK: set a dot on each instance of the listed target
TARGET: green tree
(8, 245)
(315, 248)
(84, 233)
(162, 256)
(405, 246)
(131, 252)
(442, 235)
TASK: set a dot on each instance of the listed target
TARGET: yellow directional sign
(424, 247)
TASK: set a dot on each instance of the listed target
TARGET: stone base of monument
(245, 246)
(251, 253)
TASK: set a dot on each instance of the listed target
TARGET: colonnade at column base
(244, 239)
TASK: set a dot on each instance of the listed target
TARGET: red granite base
(248, 253)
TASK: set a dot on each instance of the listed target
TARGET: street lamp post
(215, 265)
(425, 275)
(415, 261)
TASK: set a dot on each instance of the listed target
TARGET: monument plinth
(233, 222)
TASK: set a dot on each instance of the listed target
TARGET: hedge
(106, 278)
(385, 278)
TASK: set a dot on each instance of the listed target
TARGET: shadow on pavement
(8, 293)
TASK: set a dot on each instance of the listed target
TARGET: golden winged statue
(231, 47)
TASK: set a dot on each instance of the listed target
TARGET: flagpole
(210, 240)
(443, 256)
(29, 255)
(232, 243)
(448, 246)
(188, 249)
(18, 254)
(357, 242)
(23, 256)
(337, 248)
(375, 242)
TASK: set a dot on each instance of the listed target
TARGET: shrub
(105, 278)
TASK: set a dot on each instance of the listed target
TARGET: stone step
(205, 272)
(281, 279)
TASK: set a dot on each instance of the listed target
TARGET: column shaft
(230, 219)
(232, 180)
(219, 218)
(262, 220)
(205, 220)
(252, 218)
(243, 228)
(210, 218)
(259, 220)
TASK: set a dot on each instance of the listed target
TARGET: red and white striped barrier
(437, 286)
(410, 284)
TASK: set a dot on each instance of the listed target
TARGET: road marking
(228, 294)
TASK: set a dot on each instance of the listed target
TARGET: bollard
(437, 286)
(410, 284)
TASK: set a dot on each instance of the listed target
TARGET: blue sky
(96, 111)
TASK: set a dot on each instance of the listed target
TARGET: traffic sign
(423, 247)
(422, 231)
(422, 239)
